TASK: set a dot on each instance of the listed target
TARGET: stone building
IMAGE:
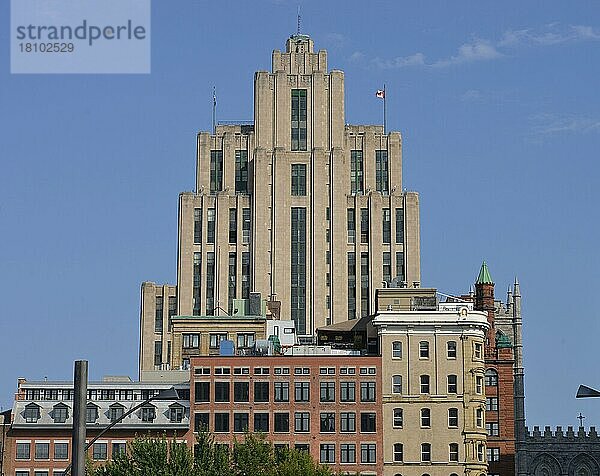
(284, 201)
(433, 384)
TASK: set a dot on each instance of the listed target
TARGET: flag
(380, 93)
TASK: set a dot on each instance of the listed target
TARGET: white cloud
(548, 124)
(485, 50)
(471, 95)
(356, 56)
(335, 40)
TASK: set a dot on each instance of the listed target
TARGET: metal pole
(79, 408)
(384, 111)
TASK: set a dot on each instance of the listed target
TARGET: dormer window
(60, 413)
(115, 412)
(31, 413)
(176, 413)
(148, 413)
(91, 413)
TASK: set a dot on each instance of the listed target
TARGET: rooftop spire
(484, 275)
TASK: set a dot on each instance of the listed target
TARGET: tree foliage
(253, 456)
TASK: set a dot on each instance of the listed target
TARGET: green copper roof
(503, 342)
(484, 275)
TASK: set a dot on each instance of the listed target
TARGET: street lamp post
(167, 394)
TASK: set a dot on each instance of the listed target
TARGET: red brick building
(329, 405)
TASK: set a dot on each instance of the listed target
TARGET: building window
(398, 453)
(147, 414)
(202, 392)
(261, 422)
(210, 283)
(23, 451)
(282, 422)
(424, 379)
(493, 454)
(302, 391)
(232, 282)
(245, 341)
(400, 265)
(491, 404)
(399, 225)
(398, 418)
(298, 119)
(302, 422)
(282, 391)
(425, 418)
(241, 171)
(387, 225)
(197, 226)
(116, 412)
(31, 413)
(61, 451)
(491, 378)
(451, 349)
(221, 391)
(118, 449)
(364, 225)
(492, 428)
(367, 453)
(327, 453)
(347, 392)
(356, 172)
(191, 341)
(452, 384)
(216, 339)
(367, 391)
(453, 452)
(424, 349)
(245, 275)
(201, 422)
(298, 180)
(216, 171)
(298, 269)
(328, 391)
(221, 422)
(328, 422)
(425, 452)
(60, 413)
(351, 223)
(347, 453)
(477, 351)
(241, 392)
(480, 449)
(176, 413)
(381, 171)
(397, 384)
(261, 392)
(211, 216)
(91, 413)
(196, 291)
(368, 422)
(453, 417)
(479, 418)
(99, 451)
(232, 226)
(396, 350)
(479, 384)
(387, 266)
(347, 422)
(158, 314)
(364, 285)
(351, 285)
(42, 451)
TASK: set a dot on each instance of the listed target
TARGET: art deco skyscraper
(298, 205)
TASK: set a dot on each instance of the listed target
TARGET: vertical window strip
(298, 268)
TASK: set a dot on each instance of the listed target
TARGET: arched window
(397, 350)
(398, 452)
(491, 378)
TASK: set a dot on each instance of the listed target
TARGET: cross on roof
(581, 418)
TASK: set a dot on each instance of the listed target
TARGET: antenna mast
(298, 25)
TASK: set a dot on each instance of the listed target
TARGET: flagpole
(214, 110)
(384, 110)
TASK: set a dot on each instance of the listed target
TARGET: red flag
(380, 93)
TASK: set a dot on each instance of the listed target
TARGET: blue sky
(499, 109)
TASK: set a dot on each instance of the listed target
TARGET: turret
(484, 301)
